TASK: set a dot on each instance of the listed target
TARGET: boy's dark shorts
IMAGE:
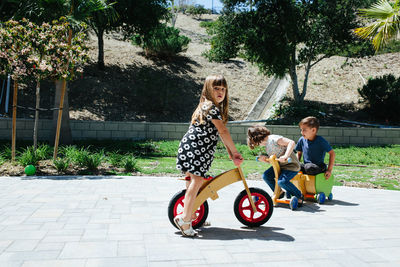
(313, 169)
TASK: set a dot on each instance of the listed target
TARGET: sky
(208, 3)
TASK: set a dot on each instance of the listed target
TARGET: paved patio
(122, 221)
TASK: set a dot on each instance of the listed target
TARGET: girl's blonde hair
(255, 135)
(207, 95)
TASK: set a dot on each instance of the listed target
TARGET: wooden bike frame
(210, 188)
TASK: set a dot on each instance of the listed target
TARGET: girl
(197, 147)
(282, 148)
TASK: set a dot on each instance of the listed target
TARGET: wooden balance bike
(250, 213)
(311, 186)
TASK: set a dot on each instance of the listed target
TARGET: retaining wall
(123, 130)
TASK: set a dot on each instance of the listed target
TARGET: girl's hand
(262, 158)
(237, 159)
(282, 159)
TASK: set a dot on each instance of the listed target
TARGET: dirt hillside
(133, 87)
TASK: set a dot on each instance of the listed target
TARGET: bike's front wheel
(244, 212)
(175, 207)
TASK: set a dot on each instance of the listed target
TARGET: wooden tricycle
(311, 186)
(250, 213)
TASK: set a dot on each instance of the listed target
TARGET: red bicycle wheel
(244, 212)
(175, 207)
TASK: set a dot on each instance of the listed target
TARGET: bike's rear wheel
(175, 207)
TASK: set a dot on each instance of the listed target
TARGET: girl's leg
(195, 183)
(187, 182)
(269, 178)
(187, 186)
(285, 183)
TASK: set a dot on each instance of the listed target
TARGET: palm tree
(386, 24)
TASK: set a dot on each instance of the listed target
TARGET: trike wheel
(244, 212)
(321, 198)
(175, 207)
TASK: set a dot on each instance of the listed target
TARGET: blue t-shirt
(313, 151)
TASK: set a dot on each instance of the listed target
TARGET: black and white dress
(198, 145)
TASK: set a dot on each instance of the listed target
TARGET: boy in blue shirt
(313, 148)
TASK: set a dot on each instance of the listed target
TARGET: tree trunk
(293, 77)
(174, 14)
(66, 134)
(35, 127)
(308, 68)
(100, 59)
(14, 121)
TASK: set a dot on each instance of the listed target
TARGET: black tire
(244, 212)
(175, 207)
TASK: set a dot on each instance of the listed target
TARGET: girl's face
(219, 93)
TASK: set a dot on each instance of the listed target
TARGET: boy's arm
(330, 164)
(299, 154)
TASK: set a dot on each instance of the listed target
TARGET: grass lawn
(376, 167)
(372, 177)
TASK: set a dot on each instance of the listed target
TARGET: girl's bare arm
(289, 144)
(228, 142)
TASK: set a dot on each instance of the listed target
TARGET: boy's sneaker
(301, 200)
(288, 195)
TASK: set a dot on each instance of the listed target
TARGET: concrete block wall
(125, 130)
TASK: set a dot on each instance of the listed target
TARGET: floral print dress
(198, 145)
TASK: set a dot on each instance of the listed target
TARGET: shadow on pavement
(307, 207)
(260, 233)
(314, 207)
(79, 177)
(340, 202)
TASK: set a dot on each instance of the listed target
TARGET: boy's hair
(310, 121)
(207, 95)
(255, 135)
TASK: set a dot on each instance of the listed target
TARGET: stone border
(125, 130)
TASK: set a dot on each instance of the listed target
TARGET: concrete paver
(122, 221)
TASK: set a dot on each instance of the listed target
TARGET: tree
(128, 16)
(140, 16)
(279, 35)
(8, 9)
(385, 25)
(40, 11)
(40, 53)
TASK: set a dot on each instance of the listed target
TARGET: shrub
(392, 47)
(6, 152)
(44, 152)
(61, 164)
(358, 48)
(382, 96)
(28, 157)
(291, 109)
(162, 42)
(89, 161)
(71, 153)
(225, 36)
(207, 24)
(197, 11)
(115, 159)
(129, 163)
